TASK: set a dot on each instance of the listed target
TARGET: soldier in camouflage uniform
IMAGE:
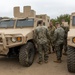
(41, 38)
(66, 28)
(51, 29)
(58, 41)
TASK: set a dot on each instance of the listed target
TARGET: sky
(52, 8)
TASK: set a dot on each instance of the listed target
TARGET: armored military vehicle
(16, 34)
(71, 45)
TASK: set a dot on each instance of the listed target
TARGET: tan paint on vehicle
(71, 33)
(26, 33)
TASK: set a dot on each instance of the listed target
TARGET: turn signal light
(19, 39)
(73, 40)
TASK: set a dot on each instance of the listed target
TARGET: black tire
(26, 54)
(71, 59)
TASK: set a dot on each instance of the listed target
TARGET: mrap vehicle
(16, 34)
(71, 45)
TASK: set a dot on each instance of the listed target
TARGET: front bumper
(6, 43)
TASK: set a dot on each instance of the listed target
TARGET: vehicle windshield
(7, 24)
(73, 20)
(25, 23)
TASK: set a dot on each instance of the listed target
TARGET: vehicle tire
(71, 59)
(26, 54)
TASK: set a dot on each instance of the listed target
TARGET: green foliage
(59, 19)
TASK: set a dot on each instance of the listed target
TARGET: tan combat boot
(40, 62)
(46, 61)
(58, 61)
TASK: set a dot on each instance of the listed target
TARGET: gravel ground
(12, 67)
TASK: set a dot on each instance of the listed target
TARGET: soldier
(40, 36)
(58, 41)
(51, 29)
(66, 28)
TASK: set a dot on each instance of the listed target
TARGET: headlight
(73, 40)
(16, 39)
(13, 39)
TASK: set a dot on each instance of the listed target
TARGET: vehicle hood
(16, 31)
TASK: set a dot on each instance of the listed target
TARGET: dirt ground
(12, 67)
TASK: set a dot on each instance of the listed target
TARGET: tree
(59, 19)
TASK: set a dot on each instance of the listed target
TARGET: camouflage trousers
(51, 47)
(65, 45)
(42, 48)
(58, 49)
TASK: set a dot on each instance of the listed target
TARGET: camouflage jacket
(41, 35)
(66, 29)
(51, 32)
(59, 36)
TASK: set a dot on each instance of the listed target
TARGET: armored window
(25, 23)
(73, 21)
(40, 16)
(7, 24)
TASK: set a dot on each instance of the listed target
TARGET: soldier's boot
(46, 61)
(58, 61)
(40, 62)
